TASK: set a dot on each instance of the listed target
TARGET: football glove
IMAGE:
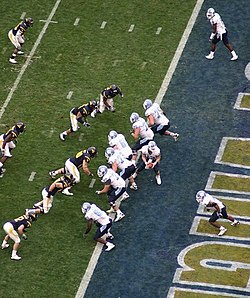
(98, 192)
(86, 124)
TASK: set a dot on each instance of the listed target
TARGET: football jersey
(220, 26)
(20, 29)
(145, 131)
(120, 160)
(113, 179)
(150, 154)
(120, 143)
(210, 199)
(97, 215)
(21, 220)
(157, 113)
(111, 93)
(78, 159)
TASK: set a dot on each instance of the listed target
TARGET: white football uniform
(150, 154)
(210, 199)
(73, 121)
(145, 131)
(157, 113)
(120, 143)
(97, 215)
(72, 169)
(121, 161)
(220, 26)
(114, 179)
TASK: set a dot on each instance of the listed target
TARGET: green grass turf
(237, 152)
(81, 59)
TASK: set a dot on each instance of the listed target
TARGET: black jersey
(21, 27)
(80, 156)
(11, 132)
(85, 110)
(21, 220)
(111, 91)
(63, 182)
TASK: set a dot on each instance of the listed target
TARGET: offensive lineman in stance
(103, 221)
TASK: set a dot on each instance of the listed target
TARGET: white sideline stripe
(22, 15)
(103, 24)
(27, 62)
(76, 21)
(32, 176)
(178, 53)
(96, 254)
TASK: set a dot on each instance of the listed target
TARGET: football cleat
(124, 196)
(13, 61)
(2, 171)
(222, 231)
(62, 136)
(20, 53)
(235, 223)
(5, 246)
(134, 186)
(119, 217)
(235, 57)
(176, 136)
(15, 257)
(110, 236)
(67, 192)
(158, 179)
(109, 246)
(210, 56)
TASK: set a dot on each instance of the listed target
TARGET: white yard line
(96, 254)
(32, 176)
(27, 62)
(178, 53)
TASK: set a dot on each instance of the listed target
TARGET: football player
(219, 32)
(118, 142)
(7, 143)
(16, 36)
(48, 192)
(141, 132)
(13, 229)
(151, 156)
(94, 214)
(106, 99)
(72, 164)
(114, 187)
(118, 161)
(157, 119)
(220, 210)
(79, 114)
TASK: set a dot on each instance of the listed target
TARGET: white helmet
(109, 152)
(102, 170)
(210, 13)
(147, 104)
(151, 145)
(200, 196)
(85, 207)
(134, 117)
(112, 134)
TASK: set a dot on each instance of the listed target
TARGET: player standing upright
(219, 32)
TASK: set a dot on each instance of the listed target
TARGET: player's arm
(9, 138)
(151, 120)
(157, 159)
(104, 190)
(86, 169)
(114, 166)
(21, 231)
(136, 133)
(144, 158)
(89, 225)
(214, 30)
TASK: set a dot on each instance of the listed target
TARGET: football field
(73, 51)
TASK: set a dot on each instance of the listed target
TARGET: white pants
(47, 201)
(70, 168)
(16, 40)
(102, 105)
(9, 230)
(73, 121)
(8, 146)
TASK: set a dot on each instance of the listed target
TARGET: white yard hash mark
(22, 15)
(32, 176)
(28, 60)
(69, 95)
(92, 183)
(158, 31)
(131, 28)
(104, 23)
(76, 21)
